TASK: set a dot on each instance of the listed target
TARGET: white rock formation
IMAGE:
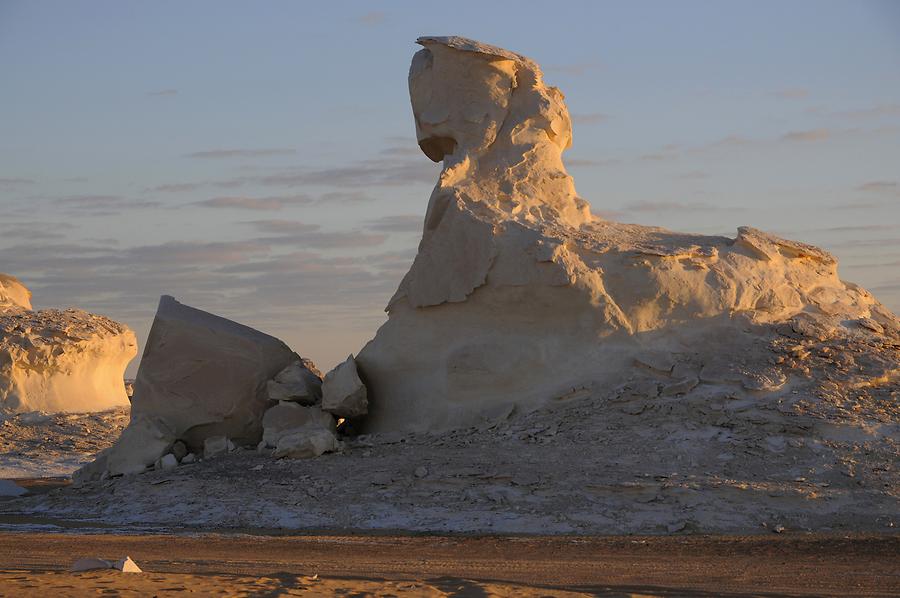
(296, 382)
(59, 361)
(519, 295)
(13, 293)
(288, 417)
(343, 393)
(201, 376)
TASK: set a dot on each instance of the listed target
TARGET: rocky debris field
(822, 455)
(35, 444)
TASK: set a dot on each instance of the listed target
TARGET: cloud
(581, 162)
(792, 93)
(255, 203)
(344, 197)
(176, 187)
(282, 226)
(804, 136)
(674, 206)
(400, 223)
(15, 182)
(589, 118)
(871, 112)
(242, 153)
(163, 92)
(100, 205)
(879, 187)
(371, 18)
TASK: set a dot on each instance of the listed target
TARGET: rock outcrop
(59, 360)
(201, 377)
(518, 295)
(343, 393)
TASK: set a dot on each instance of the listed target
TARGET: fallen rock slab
(343, 392)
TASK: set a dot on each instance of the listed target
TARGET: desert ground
(34, 564)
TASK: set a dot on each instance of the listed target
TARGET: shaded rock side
(59, 360)
(518, 295)
(343, 392)
(205, 375)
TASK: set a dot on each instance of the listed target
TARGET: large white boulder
(59, 360)
(518, 295)
(201, 376)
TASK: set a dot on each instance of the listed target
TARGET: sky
(258, 160)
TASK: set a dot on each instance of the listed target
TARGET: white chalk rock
(90, 564)
(296, 383)
(305, 444)
(141, 443)
(126, 565)
(216, 445)
(201, 376)
(519, 294)
(13, 294)
(167, 462)
(59, 361)
(343, 392)
(288, 417)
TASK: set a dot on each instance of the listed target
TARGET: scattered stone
(288, 417)
(126, 565)
(296, 383)
(215, 445)
(189, 458)
(343, 393)
(167, 462)
(421, 471)
(305, 444)
(179, 449)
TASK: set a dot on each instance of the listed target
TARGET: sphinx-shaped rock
(201, 376)
(59, 360)
(519, 295)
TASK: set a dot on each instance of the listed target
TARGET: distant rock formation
(518, 295)
(59, 361)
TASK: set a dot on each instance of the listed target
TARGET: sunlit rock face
(518, 296)
(59, 360)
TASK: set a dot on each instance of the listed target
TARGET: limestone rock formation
(343, 393)
(13, 293)
(59, 360)
(519, 295)
(201, 376)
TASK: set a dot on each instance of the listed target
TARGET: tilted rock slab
(200, 376)
(59, 360)
(343, 392)
(518, 294)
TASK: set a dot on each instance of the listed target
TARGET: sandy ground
(35, 564)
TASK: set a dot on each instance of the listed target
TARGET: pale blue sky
(258, 159)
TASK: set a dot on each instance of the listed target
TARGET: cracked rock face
(518, 295)
(59, 360)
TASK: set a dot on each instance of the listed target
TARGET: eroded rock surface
(518, 295)
(59, 360)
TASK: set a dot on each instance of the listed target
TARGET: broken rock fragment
(296, 383)
(288, 417)
(343, 392)
(305, 444)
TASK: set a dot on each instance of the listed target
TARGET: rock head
(518, 295)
